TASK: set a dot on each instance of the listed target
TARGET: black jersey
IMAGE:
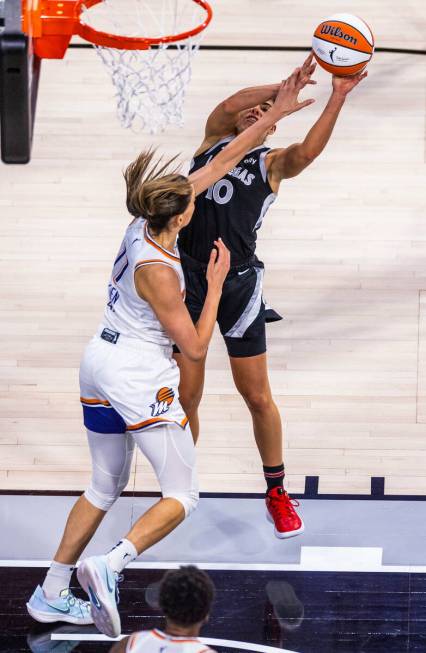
(233, 208)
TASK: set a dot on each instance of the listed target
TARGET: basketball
(343, 44)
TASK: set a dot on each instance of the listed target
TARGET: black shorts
(242, 312)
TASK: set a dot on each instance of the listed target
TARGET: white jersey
(155, 641)
(129, 380)
(126, 312)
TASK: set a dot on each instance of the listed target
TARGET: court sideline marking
(312, 558)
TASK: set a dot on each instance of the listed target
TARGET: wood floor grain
(344, 248)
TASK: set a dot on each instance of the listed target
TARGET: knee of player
(189, 500)
(191, 503)
(258, 401)
(104, 490)
(103, 501)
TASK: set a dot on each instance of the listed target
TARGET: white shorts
(129, 385)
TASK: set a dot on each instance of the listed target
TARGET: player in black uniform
(233, 208)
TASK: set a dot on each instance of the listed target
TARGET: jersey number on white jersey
(120, 266)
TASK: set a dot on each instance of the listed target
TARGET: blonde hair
(155, 191)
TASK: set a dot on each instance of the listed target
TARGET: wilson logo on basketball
(338, 33)
(164, 399)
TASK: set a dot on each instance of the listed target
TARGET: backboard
(19, 75)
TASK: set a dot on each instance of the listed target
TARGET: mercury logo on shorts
(164, 399)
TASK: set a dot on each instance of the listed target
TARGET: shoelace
(73, 600)
(288, 505)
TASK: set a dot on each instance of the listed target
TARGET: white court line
(245, 646)
(233, 566)
(343, 558)
(334, 559)
(230, 643)
(85, 637)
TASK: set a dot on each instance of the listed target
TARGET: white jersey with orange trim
(126, 312)
(155, 641)
(129, 380)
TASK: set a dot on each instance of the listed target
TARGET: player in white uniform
(185, 597)
(142, 344)
(129, 380)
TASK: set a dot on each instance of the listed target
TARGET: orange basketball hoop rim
(52, 23)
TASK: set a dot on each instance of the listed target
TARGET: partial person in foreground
(233, 209)
(185, 598)
(129, 380)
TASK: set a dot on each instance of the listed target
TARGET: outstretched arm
(285, 103)
(192, 340)
(290, 161)
(223, 118)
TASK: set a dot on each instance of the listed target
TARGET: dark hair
(154, 191)
(186, 595)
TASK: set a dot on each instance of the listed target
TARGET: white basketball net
(150, 84)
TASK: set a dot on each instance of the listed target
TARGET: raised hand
(286, 101)
(344, 85)
(306, 71)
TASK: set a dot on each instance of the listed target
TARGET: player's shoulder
(149, 251)
(136, 225)
(136, 641)
(274, 152)
(144, 641)
(134, 235)
(210, 143)
(274, 157)
(155, 274)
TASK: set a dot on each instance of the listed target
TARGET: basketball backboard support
(19, 75)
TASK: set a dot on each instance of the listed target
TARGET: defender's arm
(222, 119)
(286, 102)
(221, 122)
(170, 309)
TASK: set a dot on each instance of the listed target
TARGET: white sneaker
(66, 607)
(100, 582)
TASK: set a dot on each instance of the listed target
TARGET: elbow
(197, 354)
(193, 351)
(228, 106)
(308, 156)
(305, 153)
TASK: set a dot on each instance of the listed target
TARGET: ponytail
(156, 192)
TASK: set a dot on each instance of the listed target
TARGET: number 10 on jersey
(221, 192)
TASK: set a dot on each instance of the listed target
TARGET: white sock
(57, 578)
(120, 556)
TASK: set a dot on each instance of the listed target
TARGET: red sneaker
(281, 512)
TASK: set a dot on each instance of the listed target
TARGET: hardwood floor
(344, 248)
